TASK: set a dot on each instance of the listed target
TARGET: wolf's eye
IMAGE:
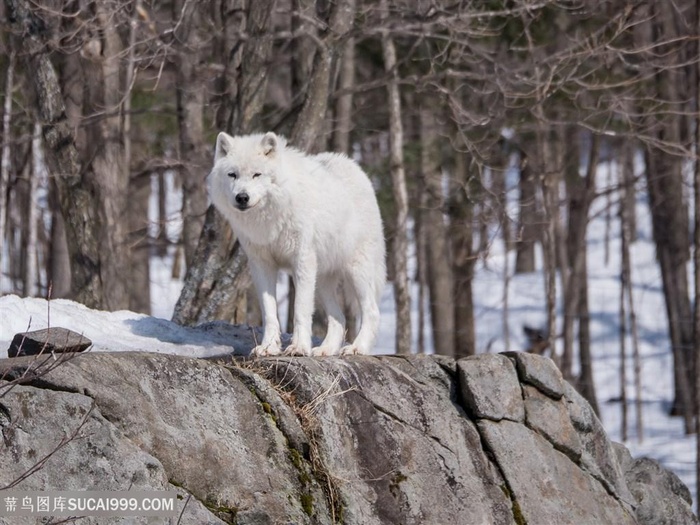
(232, 174)
(256, 175)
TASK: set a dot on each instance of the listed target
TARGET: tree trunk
(439, 259)
(105, 162)
(217, 279)
(308, 124)
(402, 297)
(343, 104)
(421, 275)
(696, 257)
(664, 176)
(586, 383)
(549, 180)
(623, 358)
(76, 192)
(31, 276)
(528, 226)
(303, 47)
(342, 140)
(190, 91)
(223, 266)
(580, 195)
(498, 165)
(162, 240)
(5, 161)
(139, 194)
(59, 266)
(670, 226)
(464, 257)
(629, 193)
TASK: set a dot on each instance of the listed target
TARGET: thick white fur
(314, 216)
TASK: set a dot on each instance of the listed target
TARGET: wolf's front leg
(265, 281)
(304, 275)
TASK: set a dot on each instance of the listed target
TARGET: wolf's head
(244, 171)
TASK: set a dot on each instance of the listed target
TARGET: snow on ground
(120, 331)
(663, 436)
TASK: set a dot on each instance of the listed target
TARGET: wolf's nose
(242, 199)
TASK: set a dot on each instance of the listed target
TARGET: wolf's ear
(224, 143)
(270, 143)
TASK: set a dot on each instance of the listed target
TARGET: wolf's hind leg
(328, 294)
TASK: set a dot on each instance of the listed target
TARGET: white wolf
(314, 216)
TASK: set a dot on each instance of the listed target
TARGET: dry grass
(307, 413)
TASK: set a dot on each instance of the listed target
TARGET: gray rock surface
(662, 498)
(82, 450)
(355, 440)
(546, 485)
(541, 373)
(598, 456)
(550, 419)
(490, 388)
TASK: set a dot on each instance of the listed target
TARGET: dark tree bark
(190, 93)
(58, 263)
(629, 193)
(626, 285)
(342, 140)
(497, 165)
(217, 280)
(402, 297)
(670, 227)
(309, 123)
(104, 157)
(549, 182)
(5, 161)
(303, 47)
(528, 227)
(696, 257)
(585, 383)
(580, 193)
(343, 103)
(76, 192)
(463, 256)
(139, 194)
(438, 252)
(664, 177)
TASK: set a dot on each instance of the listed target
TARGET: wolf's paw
(265, 351)
(323, 351)
(352, 350)
(297, 350)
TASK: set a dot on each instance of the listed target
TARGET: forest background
(481, 123)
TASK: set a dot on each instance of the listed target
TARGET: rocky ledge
(496, 439)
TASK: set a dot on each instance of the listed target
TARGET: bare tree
(34, 173)
(464, 256)
(665, 190)
(581, 191)
(696, 257)
(623, 357)
(528, 215)
(342, 135)
(190, 89)
(76, 192)
(104, 159)
(438, 257)
(217, 275)
(628, 296)
(5, 155)
(402, 298)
